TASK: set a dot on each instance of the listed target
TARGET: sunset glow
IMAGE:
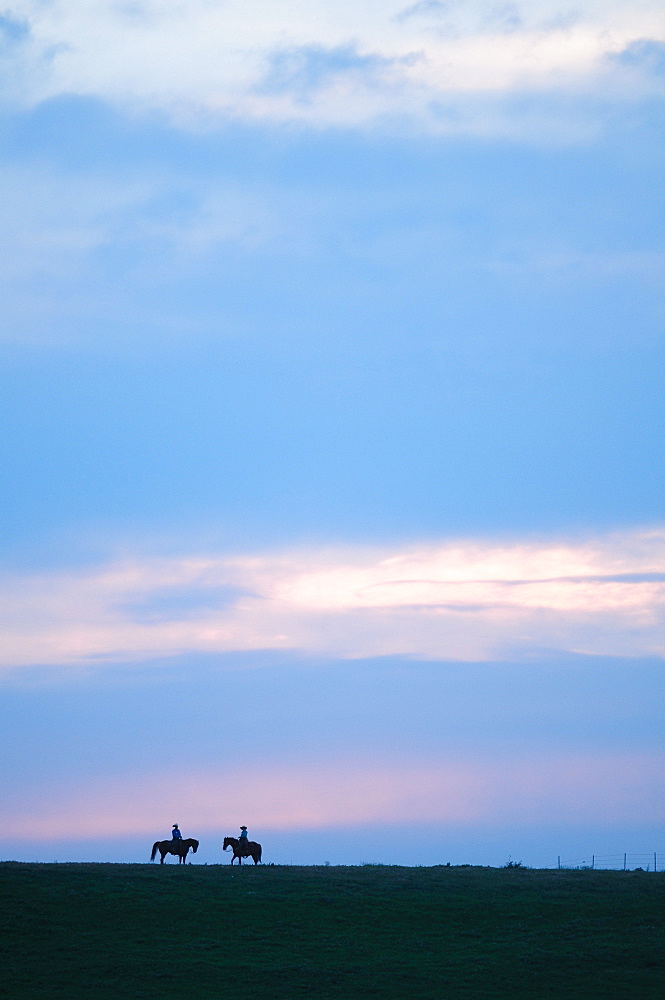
(343, 794)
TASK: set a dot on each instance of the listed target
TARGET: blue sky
(332, 367)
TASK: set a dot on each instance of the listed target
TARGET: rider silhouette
(243, 836)
(175, 832)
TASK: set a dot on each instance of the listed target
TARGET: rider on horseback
(243, 847)
(175, 832)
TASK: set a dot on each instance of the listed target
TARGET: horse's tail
(258, 853)
(154, 850)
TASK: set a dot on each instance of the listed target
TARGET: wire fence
(617, 862)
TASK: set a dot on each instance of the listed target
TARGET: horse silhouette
(243, 849)
(178, 847)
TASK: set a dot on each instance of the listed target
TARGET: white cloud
(470, 600)
(68, 231)
(54, 220)
(204, 59)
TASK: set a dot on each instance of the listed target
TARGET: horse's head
(195, 845)
(228, 842)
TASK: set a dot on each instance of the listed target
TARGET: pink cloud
(471, 600)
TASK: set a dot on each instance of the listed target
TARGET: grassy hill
(148, 931)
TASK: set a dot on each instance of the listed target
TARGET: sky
(332, 470)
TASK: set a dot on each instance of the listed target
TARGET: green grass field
(174, 933)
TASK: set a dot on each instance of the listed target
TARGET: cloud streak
(469, 600)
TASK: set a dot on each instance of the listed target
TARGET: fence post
(593, 861)
(558, 861)
(654, 861)
(624, 862)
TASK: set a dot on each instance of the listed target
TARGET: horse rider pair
(176, 834)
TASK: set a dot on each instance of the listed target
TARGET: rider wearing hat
(243, 836)
(175, 832)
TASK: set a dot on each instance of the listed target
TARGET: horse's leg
(161, 856)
